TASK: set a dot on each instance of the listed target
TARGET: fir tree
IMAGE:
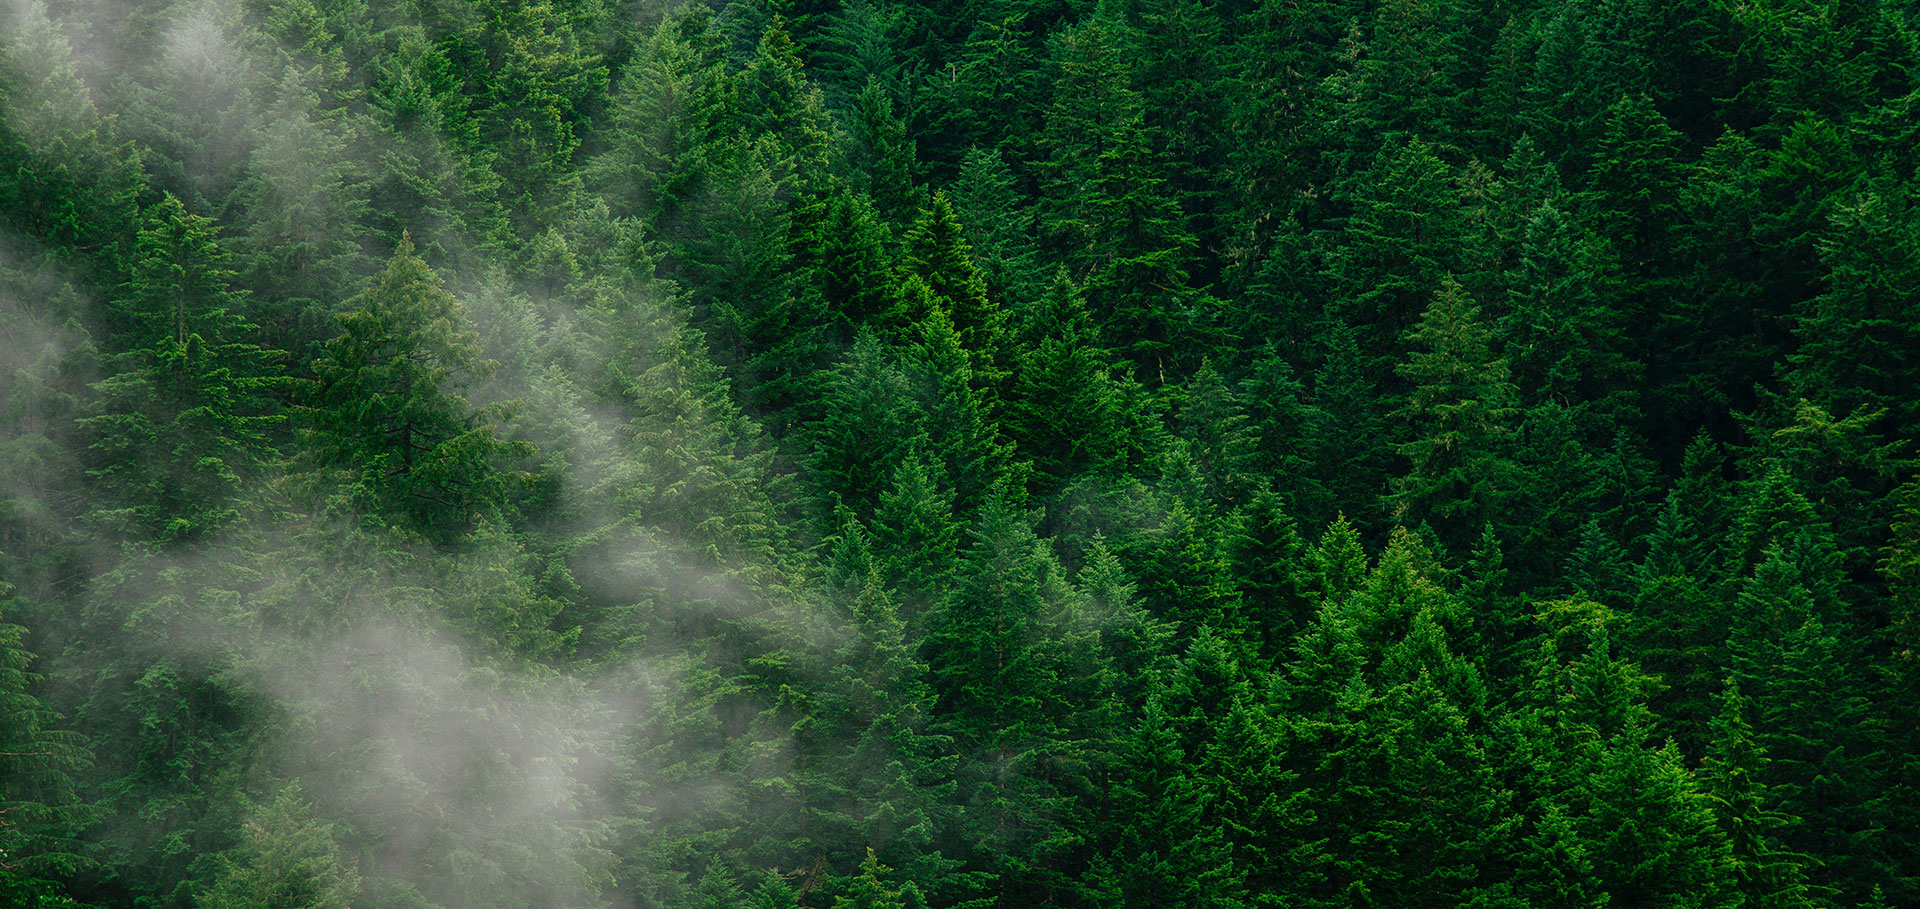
(1461, 412)
(387, 407)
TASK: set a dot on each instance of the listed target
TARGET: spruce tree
(387, 408)
(1461, 413)
(184, 422)
(38, 765)
(1765, 874)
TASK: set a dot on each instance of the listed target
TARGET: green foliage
(286, 859)
(38, 762)
(387, 411)
(184, 421)
(1461, 412)
(1166, 453)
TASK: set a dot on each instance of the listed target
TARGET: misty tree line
(1133, 453)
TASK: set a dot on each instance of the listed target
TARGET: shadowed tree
(387, 407)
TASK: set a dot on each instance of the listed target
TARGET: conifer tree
(937, 252)
(1288, 430)
(999, 224)
(387, 407)
(1267, 560)
(1764, 874)
(1065, 412)
(661, 116)
(1461, 413)
(286, 859)
(1824, 760)
(1354, 473)
(38, 765)
(1404, 237)
(1563, 330)
(1856, 355)
(1172, 850)
(71, 178)
(917, 537)
(1648, 828)
(1112, 218)
(184, 421)
(1011, 675)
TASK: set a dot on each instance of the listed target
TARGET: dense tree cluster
(850, 454)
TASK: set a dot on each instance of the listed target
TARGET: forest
(952, 454)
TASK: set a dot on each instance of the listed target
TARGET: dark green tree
(1461, 416)
(1857, 339)
(388, 410)
(184, 422)
(1012, 674)
(937, 252)
(1764, 873)
(1109, 214)
(39, 846)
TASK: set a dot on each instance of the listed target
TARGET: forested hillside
(872, 454)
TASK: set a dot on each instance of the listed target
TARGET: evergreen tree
(38, 764)
(1405, 236)
(936, 251)
(184, 421)
(999, 225)
(1764, 874)
(1462, 473)
(1857, 338)
(1648, 828)
(1267, 560)
(1110, 215)
(287, 859)
(1007, 665)
(1065, 412)
(1563, 331)
(387, 410)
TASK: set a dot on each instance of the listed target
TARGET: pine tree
(1354, 471)
(303, 210)
(884, 152)
(1764, 874)
(1634, 184)
(1065, 412)
(1825, 759)
(1462, 413)
(897, 772)
(286, 859)
(1267, 561)
(660, 113)
(999, 224)
(1413, 77)
(184, 422)
(1404, 238)
(917, 538)
(1597, 569)
(387, 407)
(936, 251)
(1172, 849)
(1563, 329)
(71, 178)
(1012, 675)
(1901, 568)
(1858, 338)
(1288, 432)
(38, 765)
(1213, 421)
(1110, 215)
(1647, 827)
(870, 890)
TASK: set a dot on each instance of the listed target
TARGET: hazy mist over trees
(868, 454)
